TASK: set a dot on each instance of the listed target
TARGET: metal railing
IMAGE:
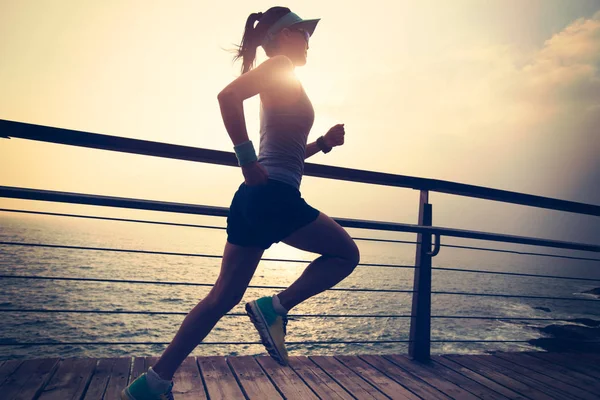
(420, 326)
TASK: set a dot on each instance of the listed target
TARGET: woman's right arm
(232, 111)
(267, 76)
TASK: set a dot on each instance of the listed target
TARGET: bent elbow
(226, 95)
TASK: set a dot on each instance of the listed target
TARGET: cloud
(566, 69)
(494, 116)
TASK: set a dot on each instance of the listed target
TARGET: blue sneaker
(139, 390)
(270, 326)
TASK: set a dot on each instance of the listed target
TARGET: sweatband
(322, 145)
(245, 153)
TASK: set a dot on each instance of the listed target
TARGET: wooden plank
(496, 375)
(416, 385)
(150, 361)
(385, 384)
(347, 378)
(325, 387)
(118, 378)
(187, 381)
(421, 370)
(29, 379)
(557, 372)
(70, 380)
(574, 364)
(286, 380)
(580, 358)
(471, 386)
(8, 368)
(139, 367)
(478, 378)
(100, 379)
(569, 390)
(220, 382)
(252, 379)
(527, 379)
(575, 359)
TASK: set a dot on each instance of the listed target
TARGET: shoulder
(270, 76)
(278, 62)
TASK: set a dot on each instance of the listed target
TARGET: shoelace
(285, 321)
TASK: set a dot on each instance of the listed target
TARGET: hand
(335, 136)
(255, 174)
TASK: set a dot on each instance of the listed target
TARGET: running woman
(267, 207)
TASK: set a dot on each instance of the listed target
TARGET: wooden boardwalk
(499, 376)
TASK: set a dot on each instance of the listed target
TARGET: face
(294, 43)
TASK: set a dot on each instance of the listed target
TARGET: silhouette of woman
(267, 207)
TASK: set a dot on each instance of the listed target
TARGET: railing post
(420, 322)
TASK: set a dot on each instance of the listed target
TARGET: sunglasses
(305, 33)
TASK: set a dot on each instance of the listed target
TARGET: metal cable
(203, 343)
(259, 343)
(285, 287)
(113, 219)
(45, 310)
(355, 238)
(526, 253)
(188, 283)
(56, 246)
(511, 296)
(293, 261)
(514, 274)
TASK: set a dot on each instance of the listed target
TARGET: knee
(224, 302)
(352, 256)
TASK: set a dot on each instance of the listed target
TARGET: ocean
(188, 266)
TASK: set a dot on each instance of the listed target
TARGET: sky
(503, 94)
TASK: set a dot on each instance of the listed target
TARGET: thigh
(324, 236)
(241, 228)
(237, 268)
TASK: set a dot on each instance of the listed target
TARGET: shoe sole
(125, 396)
(260, 323)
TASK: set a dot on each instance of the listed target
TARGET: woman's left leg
(237, 268)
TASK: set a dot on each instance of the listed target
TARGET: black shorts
(261, 215)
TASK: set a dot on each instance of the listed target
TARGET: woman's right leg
(237, 268)
(339, 257)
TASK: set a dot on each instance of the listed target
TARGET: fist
(335, 136)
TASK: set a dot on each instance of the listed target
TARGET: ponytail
(254, 35)
(250, 42)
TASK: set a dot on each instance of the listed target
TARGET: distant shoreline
(595, 292)
(571, 337)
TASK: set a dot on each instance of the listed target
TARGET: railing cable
(167, 253)
(514, 274)
(201, 343)
(106, 280)
(231, 314)
(355, 238)
(259, 343)
(285, 287)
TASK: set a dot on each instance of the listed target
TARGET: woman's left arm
(334, 137)
(311, 149)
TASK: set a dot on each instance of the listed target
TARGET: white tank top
(283, 137)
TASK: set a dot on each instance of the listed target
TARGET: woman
(267, 207)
